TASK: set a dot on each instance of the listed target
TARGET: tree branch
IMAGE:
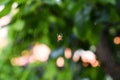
(105, 56)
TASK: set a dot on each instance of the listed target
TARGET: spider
(59, 37)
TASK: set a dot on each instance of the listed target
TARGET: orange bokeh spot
(60, 62)
(39, 52)
(25, 53)
(19, 61)
(85, 64)
(88, 57)
(117, 40)
(68, 53)
(95, 64)
(32, 59)
(76, 57)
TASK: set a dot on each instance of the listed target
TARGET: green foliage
(80, 22)
(18, 25)
(93, 73)
(6, 10)
(113, 2)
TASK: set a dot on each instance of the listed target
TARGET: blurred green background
(37, 25)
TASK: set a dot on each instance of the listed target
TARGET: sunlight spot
(41, 52)
(3, 37)
(95, 64)
(19, 61)
(76, 56)
(3, 42)
(58, 1)
(85, 64)
(68, 53)
(117, 40)
(5, 20)
(60, 62)
(3, 32)
(1, 7)
(25, 53)
(31, 59)
(14, 5)
(88, 57)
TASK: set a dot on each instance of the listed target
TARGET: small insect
(59, 37)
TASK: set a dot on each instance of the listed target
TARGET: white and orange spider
(59, 37)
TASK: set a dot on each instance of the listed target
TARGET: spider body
(59, 37)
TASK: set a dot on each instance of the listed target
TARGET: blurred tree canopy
(84, 24)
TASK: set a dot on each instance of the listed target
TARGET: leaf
(116, 16)
(66, 73)
(93, 73)
(18, 25)
(20, 1)
(6, 10)
(113, 2)
(81, 19)
(93, 34)
(80, 32)
(3, 2)
(50, 71)
(31, 6)
(51, 2)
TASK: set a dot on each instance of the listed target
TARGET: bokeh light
(3, 42)
(85, 64)
(76, 56)
(14, 5)
(41, 52)
(20, 61)
(3, 32)
(3, 37)
(60, 62)
(97, 63)
(5, 20)
(32, 59)
(88, 57)
(1, 7)
(25, 53)
(117, 40)
(68, 53)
